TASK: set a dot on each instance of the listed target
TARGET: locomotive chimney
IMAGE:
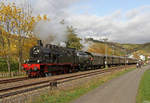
(39, 42)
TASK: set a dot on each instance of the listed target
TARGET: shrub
(3, 66)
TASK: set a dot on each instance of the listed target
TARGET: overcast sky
(124, 21)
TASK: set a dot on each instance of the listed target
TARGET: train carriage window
(82, 54)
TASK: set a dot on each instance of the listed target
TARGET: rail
(52, 82)
(13, 80)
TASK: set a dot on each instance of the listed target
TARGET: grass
(144, 89)
(65, 96)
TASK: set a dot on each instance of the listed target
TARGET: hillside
(145, 47)
(120, 49)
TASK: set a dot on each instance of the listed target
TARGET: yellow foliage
(39, 18)
(100, 48)
(45, 17)
(16, 30)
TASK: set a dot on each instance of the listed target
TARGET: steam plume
(51, 31)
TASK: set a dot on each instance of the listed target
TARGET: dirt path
(120, 90)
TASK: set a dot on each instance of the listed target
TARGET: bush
(3, 66)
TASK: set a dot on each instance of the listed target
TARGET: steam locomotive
(51, 59)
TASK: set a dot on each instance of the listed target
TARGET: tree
(7, 26)
(24, 25)
(73, 40)
(16, 25)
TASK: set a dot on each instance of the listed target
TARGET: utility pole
(113, 51)
(105, 40)
(125, 56)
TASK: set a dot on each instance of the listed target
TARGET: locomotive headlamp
(38, 61)
(38, 51)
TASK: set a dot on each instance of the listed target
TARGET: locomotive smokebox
(39, 42)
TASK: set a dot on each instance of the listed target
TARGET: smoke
(86, 44)
(52, 32)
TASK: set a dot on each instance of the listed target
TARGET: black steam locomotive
(51, 59)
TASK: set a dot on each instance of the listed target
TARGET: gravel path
(119, 90)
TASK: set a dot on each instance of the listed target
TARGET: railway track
(49, 83)
(13, 80)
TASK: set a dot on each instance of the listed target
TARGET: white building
(142, 57)
(131, 56)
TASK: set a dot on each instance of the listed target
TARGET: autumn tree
(16, 25)
(6, 28)
(73, 40)
(24, 25)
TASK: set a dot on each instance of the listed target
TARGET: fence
(12, 74)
